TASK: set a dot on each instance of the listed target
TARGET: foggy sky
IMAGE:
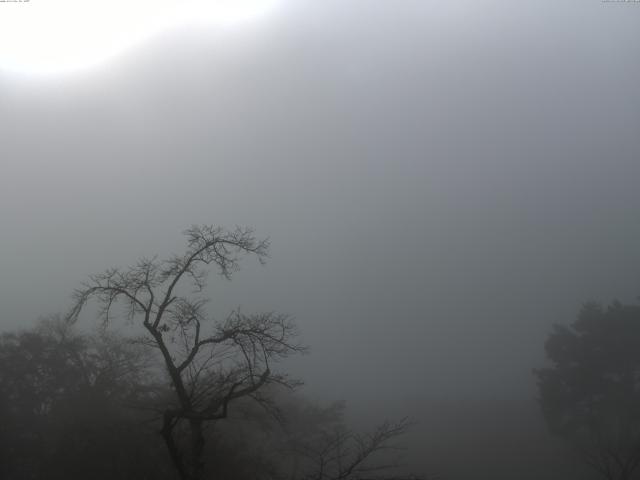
(441, 182)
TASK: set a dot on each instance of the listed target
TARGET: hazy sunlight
(54, 36)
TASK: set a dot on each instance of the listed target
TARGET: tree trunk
(174, 452)
(188, 461)
(196, 466)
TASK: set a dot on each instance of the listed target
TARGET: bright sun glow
(54, 36)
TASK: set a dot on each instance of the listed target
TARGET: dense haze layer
(441, 181)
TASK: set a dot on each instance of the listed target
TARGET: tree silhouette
(590, 394)
(77, 405)
(64, 407)
(208, 368)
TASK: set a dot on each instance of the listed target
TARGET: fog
(441, 183)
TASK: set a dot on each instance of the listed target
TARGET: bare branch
(207, 371)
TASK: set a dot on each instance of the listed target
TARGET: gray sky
(441, 181)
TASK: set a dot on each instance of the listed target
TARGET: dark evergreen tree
(590, 395)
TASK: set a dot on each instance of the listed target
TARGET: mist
(441, 183)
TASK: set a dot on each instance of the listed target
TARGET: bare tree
(340, 454)
(208, 368)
